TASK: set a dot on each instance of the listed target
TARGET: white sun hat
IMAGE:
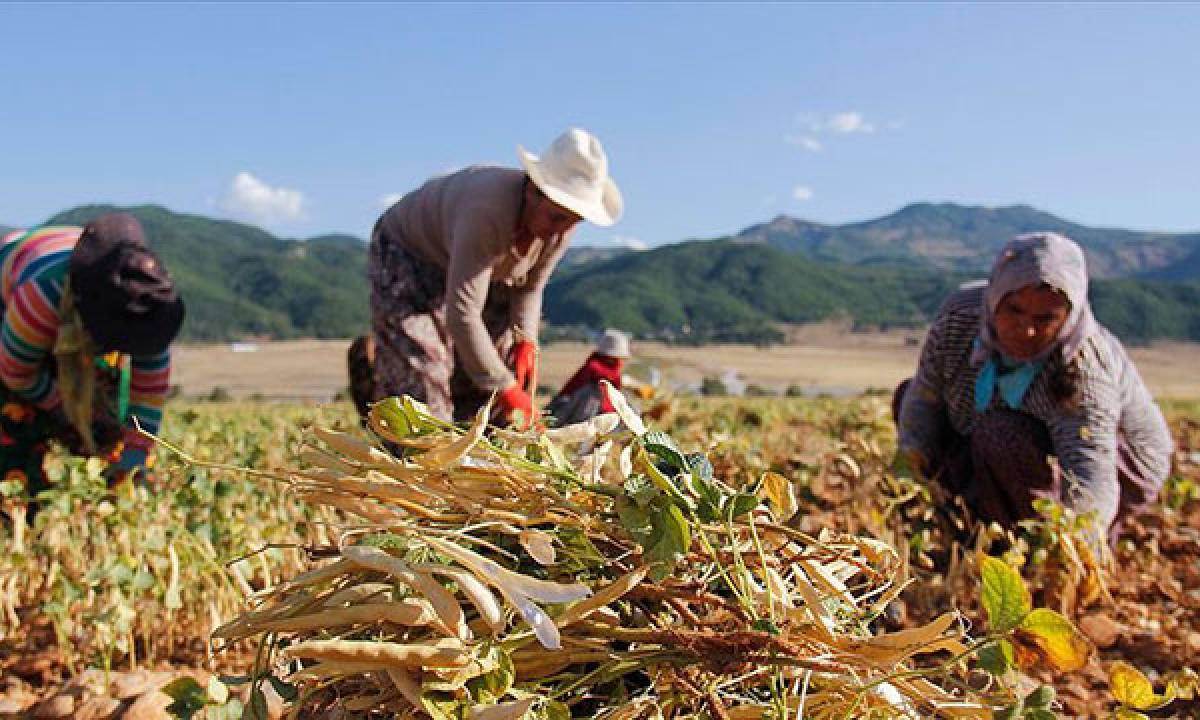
(573, 172)
(613, 343)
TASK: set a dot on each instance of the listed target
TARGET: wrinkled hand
(514, 406)
(524, 358)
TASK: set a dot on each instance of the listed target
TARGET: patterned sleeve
(922, 411)
(27, 337)
(1149, 437)
(1143, 426)
(1085, 442)
(148, 384)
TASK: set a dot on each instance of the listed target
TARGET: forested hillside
(240, 281)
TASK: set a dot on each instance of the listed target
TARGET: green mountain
(705, 291)
(241, 281)
(1140, 311)
(238, 280)
(727, 291)
(965, 239)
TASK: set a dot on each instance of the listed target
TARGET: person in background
(457, 270)
(360, 363)
(1020, 394)
(582, 398)
(89, 314)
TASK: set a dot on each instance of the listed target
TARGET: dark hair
(1063, 381)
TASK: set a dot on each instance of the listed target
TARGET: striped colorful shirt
(33, 273)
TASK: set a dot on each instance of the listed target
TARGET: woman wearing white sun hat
(460, 262)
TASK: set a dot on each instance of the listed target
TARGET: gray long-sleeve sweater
(464, 222)
(1113, 400)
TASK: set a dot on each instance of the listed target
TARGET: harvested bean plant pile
(599, 570)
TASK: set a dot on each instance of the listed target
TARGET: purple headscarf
(1035, 259)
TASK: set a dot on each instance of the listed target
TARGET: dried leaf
(605, 595)
(539, 545)
(778, 491)
(452, 453)
(631, 419)
(503, 711)
(586, 431)
(812, 601)
(1051, 638)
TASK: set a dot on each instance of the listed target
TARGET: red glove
(524, 357)
(510, 401)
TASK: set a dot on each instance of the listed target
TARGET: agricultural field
(110, 594)
(817, 359)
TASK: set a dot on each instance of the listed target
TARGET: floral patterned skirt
(413, 349)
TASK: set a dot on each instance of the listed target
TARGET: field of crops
(111, 593)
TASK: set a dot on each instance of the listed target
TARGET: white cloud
(252, 199)
(849, 122)
(803, 193)
(389, 200)
(807, 142)
(841, 123)
(630, 242)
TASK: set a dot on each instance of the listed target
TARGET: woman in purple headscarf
(1020, 394)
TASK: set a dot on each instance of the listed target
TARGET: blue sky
(302, 118)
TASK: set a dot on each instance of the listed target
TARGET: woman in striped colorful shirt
(69, 296)
(1020, 394)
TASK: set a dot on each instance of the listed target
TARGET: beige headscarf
(1033, 259)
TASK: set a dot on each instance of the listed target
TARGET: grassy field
(819, 359)
(109, 585)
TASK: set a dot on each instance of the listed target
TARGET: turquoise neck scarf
(1011, 378)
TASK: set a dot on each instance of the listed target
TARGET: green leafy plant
(1021, 636)
(191, 700)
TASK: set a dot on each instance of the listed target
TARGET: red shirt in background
(598, 367)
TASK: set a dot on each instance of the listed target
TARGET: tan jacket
(464, 222)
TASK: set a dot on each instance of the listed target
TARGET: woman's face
(543, 217)
(1028, 320)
